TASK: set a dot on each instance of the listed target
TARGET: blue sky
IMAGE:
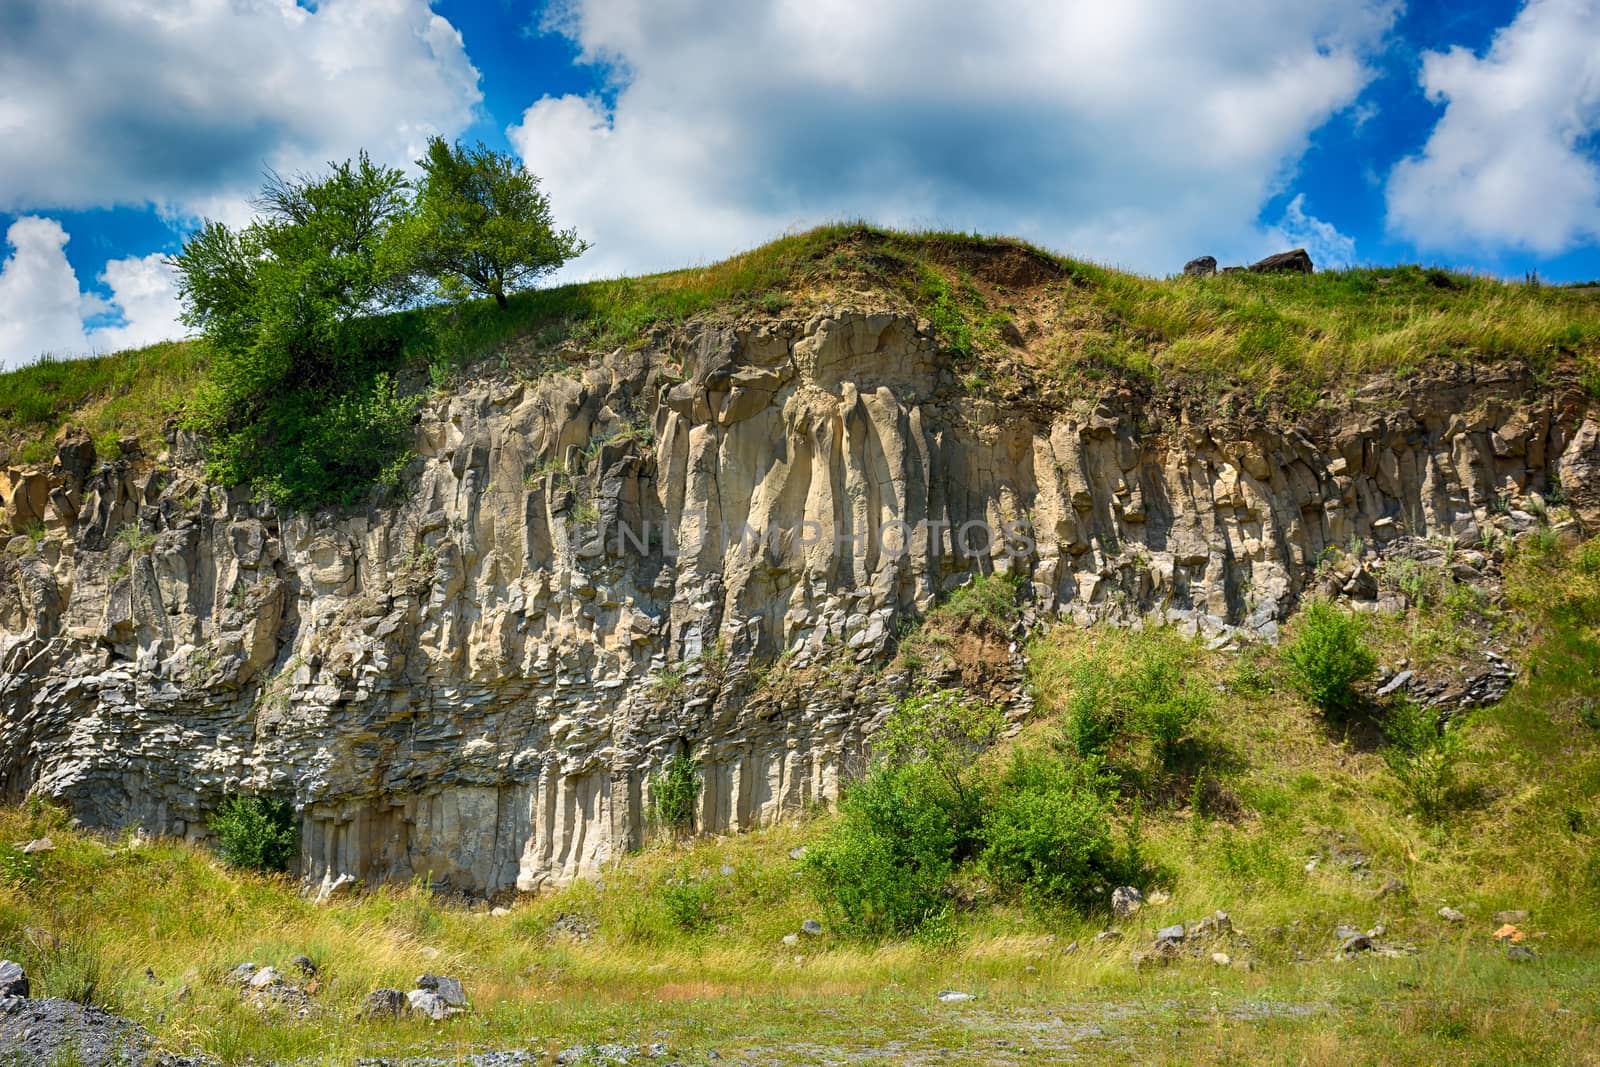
(673, 132)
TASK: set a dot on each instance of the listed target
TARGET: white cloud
(1511, 162)
(145, 291)
(1140, 133)
(1328, 248)
(42, 309)
(181, 103)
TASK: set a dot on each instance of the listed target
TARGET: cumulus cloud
(1139, 133)
(144, 294)
(181, 103)
(42, 308)
(1511, 162)
(1322, 240)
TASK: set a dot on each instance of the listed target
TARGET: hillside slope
(734, 519)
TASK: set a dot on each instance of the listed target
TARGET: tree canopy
(482, 225)
(300, 403)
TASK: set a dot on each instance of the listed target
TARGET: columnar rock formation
(594, 567)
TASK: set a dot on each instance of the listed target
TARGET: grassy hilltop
(1015, 316)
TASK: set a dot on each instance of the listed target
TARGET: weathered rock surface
(1294, 261)
(595, 569)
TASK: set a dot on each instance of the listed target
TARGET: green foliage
(1328, 658)
(257, 833)
(295, 403)
(1423, 756)
(482, 226)
(944, 731)
(991, 598)
(70, 970)
(673, 794)
(17, 868)
(883, 866)
(1047, 832)
(690, 902)
(1143, 691)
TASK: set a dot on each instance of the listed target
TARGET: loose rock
(1125, 901)
(385, 1004)
(13, 980)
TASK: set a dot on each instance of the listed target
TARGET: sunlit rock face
(599, 566)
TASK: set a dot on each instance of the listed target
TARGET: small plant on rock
(673, 794)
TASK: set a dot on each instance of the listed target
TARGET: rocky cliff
(602, 560)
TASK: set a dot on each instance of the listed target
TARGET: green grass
(1289, 336)
(129, 394)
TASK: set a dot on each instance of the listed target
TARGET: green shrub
(1145, 692)
(944, 731)
(257, 833)
(690, 902)
(673, 794)
(1423, 757)
(883, 866)
(1094, 714)
(1328, 658)
(1047, 832)
(991, 598)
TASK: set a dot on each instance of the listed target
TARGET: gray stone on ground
(1174, 933)
(811, 928)
(265, 978)
(1126, 900)
(1355, 943)
(52, 1032)
(1294, 261)
(1397, 683)
(427, 1004)
(1200, 266)
(448, 990)
(385, 1004)
(1451, 915)
(952, 996)
(13, 980)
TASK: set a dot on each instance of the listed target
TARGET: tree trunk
(500, 298)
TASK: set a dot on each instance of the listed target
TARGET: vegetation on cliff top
(1018, 320)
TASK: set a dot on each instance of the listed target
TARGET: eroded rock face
(596, 568)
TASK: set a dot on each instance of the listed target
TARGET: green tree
(482, 224)
(295, 404)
